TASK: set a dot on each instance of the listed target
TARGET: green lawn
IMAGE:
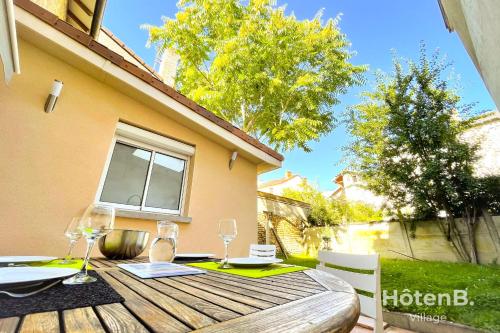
(481, 282)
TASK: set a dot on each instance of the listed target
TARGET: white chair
(369, 282)
(262, 251)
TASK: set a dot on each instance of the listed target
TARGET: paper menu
(159, 269)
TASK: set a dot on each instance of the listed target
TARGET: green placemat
(56, 263)
(275, 269)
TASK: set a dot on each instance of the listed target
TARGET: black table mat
(61, 297)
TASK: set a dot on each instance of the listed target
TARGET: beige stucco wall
(391, 240)
(51, 163)
(485, 134)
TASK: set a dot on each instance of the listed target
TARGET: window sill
(139, 214)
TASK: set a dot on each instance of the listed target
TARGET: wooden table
(307, 301)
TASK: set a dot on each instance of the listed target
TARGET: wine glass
(227, 231)
(74, 233)
(96, 222)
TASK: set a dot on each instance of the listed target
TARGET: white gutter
(8, 47)
(13, 35)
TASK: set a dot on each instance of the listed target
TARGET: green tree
(407, 146)
(362, 212)
(272, 75)
(327, 212)
(322, 213)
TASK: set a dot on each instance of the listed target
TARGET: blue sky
(374, 29)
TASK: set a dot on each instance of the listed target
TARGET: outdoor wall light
(54, 94)
(233, 158)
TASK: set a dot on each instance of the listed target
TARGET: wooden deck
(308, 301)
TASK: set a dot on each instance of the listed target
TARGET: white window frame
(154, 143)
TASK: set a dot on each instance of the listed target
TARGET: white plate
(16, 276)
(20, 259)
(253, 262)
(194, 255)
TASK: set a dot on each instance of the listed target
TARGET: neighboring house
(485, 132)
(276, 186)
(352, 188)
(477, 23)
(117, 134)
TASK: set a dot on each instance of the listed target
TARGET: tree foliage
(327, 212)
(407, 145)
(272, 75)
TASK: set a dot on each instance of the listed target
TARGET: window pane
(165, 185)
(126, 175)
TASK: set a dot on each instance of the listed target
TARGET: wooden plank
(135, 261)
(118, 319)
(225, 293)
(208, 308)
(297, 276)
(238, 289)
(8, 325)
(44, 322)
(186, 314)
(84, 7)
(75, 18)
(288, 278)
(216, 299)
(325, 312)
(94, 263)
(312, 287)
(82, 320)
(243, 286)
(104, 262)
(296, 283)
(156, 319)
(122, 262)
(330, 282)
(141, 259)
(266, 285)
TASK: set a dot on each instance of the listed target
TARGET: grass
(481, 282)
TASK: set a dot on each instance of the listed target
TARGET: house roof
(279, 181)
(146, 76)
(130, 52)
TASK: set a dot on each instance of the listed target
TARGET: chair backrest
(368, 280)
(262, 251)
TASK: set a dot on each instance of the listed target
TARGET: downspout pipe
(95, 27)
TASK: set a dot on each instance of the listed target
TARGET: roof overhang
(9, 54)
(51, 40)
(477, 25)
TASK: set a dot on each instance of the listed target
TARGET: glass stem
(90, 245)
(71, 245)
(225, 252)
